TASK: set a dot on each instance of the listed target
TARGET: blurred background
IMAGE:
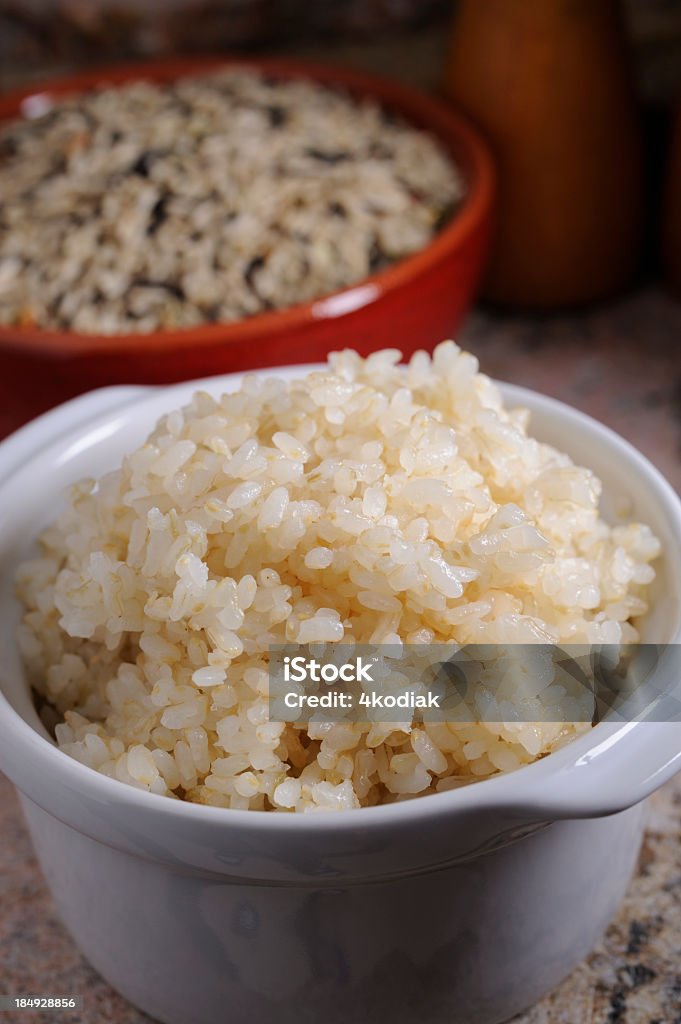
(408, 39)
(578, 102)
(39, 36)
(51, 36)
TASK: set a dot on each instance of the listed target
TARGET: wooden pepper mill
(549, 82)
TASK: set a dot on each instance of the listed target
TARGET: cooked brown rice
(217, 197)
(370, 502)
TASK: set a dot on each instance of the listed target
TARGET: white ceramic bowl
(465, 906)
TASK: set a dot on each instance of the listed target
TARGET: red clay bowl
(413, 304)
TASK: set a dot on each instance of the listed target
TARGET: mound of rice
(371, 502)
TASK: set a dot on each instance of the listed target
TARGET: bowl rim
(544, 787)
(461, 139)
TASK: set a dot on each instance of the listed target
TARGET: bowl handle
(627, 766)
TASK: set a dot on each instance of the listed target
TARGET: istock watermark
(340, 683)
(338, 679)
(477, 682)
(300, 669)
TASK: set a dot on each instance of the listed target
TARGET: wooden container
(548, 81)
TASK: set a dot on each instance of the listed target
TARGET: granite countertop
(622, 364)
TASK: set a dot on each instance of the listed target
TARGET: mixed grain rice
(370, 502)
(211, 199)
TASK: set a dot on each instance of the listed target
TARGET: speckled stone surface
(622, 364)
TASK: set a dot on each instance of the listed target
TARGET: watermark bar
(476, 682)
